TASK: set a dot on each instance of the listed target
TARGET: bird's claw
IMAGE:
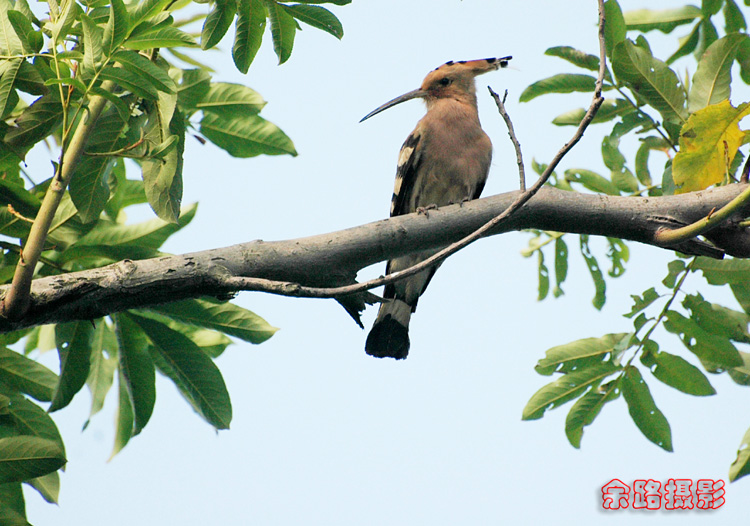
(426, 209)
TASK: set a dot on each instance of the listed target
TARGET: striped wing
(409, 159)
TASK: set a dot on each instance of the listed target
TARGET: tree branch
(309, 267)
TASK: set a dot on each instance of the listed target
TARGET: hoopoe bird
(445, 160)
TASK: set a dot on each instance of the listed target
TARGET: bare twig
(512, 133)
(286, 288)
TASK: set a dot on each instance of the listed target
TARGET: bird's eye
(445, 81)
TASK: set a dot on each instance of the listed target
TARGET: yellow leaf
(708, 143)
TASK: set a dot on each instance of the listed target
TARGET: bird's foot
(426, 209)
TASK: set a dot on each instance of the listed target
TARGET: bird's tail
(389, 336)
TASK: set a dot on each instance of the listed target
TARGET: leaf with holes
(649, 419)
(567, 388)
(581, 354)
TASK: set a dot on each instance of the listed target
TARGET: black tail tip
(388, 339)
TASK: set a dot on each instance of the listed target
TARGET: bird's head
(451, 80)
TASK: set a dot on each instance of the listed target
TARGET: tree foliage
(695, 129)
(55, 66)
(122, 66)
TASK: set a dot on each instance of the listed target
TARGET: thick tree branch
(307, 267)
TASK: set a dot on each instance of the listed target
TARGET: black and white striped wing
(409, 159)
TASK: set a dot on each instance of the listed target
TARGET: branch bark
(303, 267)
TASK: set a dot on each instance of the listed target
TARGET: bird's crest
(482, 65)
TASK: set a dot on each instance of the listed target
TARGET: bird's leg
(425, 209)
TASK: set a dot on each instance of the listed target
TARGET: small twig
(512, 132)
(712, 220)
(15, 213)
(295, 289)
(119, 152)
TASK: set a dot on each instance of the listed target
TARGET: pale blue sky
(323, 434)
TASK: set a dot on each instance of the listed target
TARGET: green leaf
(688, 44)
(561, 265)
(193, 88)
(607, 111)
(10, 43)
(149, 234)
(723, 271)
(31, 420)
(162, 174)
(13, 508)
(125, 418)
(678, 373)
(717, 319)
(566, 388)
(641, 157)
(596, 273)
(146, 9)
(246, 135)
(715, 352)
(619, 253)
(283, 28)
(31, 41)
(675, 268)
(62, 26)
(224, 317)
(217, 22)
(581, 354)
(611, 155)
(48, 486)
(664, 20)
(26, 375)
(587, 408)
(146, 70)
(249, 28)
(591, 180)
(741, 465)
(93, 52)
(643, 410)
(35, 123)
(8, 95)
(651, 79)
(29, 79)
(561, 83)
(708, 35)
(710, 7)
(74, 341)
(103, 366)
(192, 371)
(25, 457)
(117, 28)
(614, 29)
(129, 81)
(640, 303)
(575, 57)
(137, 369)
(711, 82)
(160, 36)
(543, 277)
(318, 17)
(733, 17)
(229, 100)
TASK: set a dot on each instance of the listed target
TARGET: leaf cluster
(691, 121)
(125, 57)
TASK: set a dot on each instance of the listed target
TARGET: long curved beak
(414, 94)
